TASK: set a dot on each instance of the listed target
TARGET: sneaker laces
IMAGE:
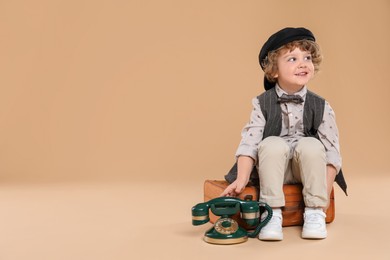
(314, 216)
(276, 220)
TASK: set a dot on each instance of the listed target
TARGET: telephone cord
(254, 233)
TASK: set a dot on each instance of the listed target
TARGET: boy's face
(295, 69)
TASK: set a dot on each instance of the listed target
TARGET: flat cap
(277, 40)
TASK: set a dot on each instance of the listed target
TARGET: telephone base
(224, 241)
(226, 232)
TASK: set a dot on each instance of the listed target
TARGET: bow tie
(290, 98)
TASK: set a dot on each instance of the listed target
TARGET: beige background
(104, 102)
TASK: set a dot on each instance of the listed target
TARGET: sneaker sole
(314, 235)
(271, 237)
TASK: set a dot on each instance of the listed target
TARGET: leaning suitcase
(292, 211)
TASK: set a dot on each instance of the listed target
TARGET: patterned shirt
(292, 129)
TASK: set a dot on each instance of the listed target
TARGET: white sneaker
(314, 226)
(273, 229)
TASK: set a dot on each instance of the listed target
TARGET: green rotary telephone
(226, 230)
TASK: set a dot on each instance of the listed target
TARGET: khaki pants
(307, 166)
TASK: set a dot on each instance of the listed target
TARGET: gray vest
(312, 117)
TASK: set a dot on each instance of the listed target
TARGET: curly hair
(270, 62)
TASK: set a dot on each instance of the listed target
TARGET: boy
(292, 135)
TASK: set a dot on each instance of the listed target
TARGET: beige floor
(153, 221)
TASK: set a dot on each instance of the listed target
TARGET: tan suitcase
(292, 211)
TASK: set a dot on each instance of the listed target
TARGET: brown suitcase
(292, 212)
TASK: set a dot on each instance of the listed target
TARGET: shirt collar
(280, 91)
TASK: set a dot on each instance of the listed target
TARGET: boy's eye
(292, 59)
(308, 58)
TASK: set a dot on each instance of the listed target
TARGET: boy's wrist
(243, 179)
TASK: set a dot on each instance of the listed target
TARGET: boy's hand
(244, 168)
(233, 189)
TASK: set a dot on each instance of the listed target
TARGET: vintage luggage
(292, 212)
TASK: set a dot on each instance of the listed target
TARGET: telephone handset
(226, 230)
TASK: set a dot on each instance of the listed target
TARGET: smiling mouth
(301, 74)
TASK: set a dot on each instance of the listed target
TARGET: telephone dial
(226, 230)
